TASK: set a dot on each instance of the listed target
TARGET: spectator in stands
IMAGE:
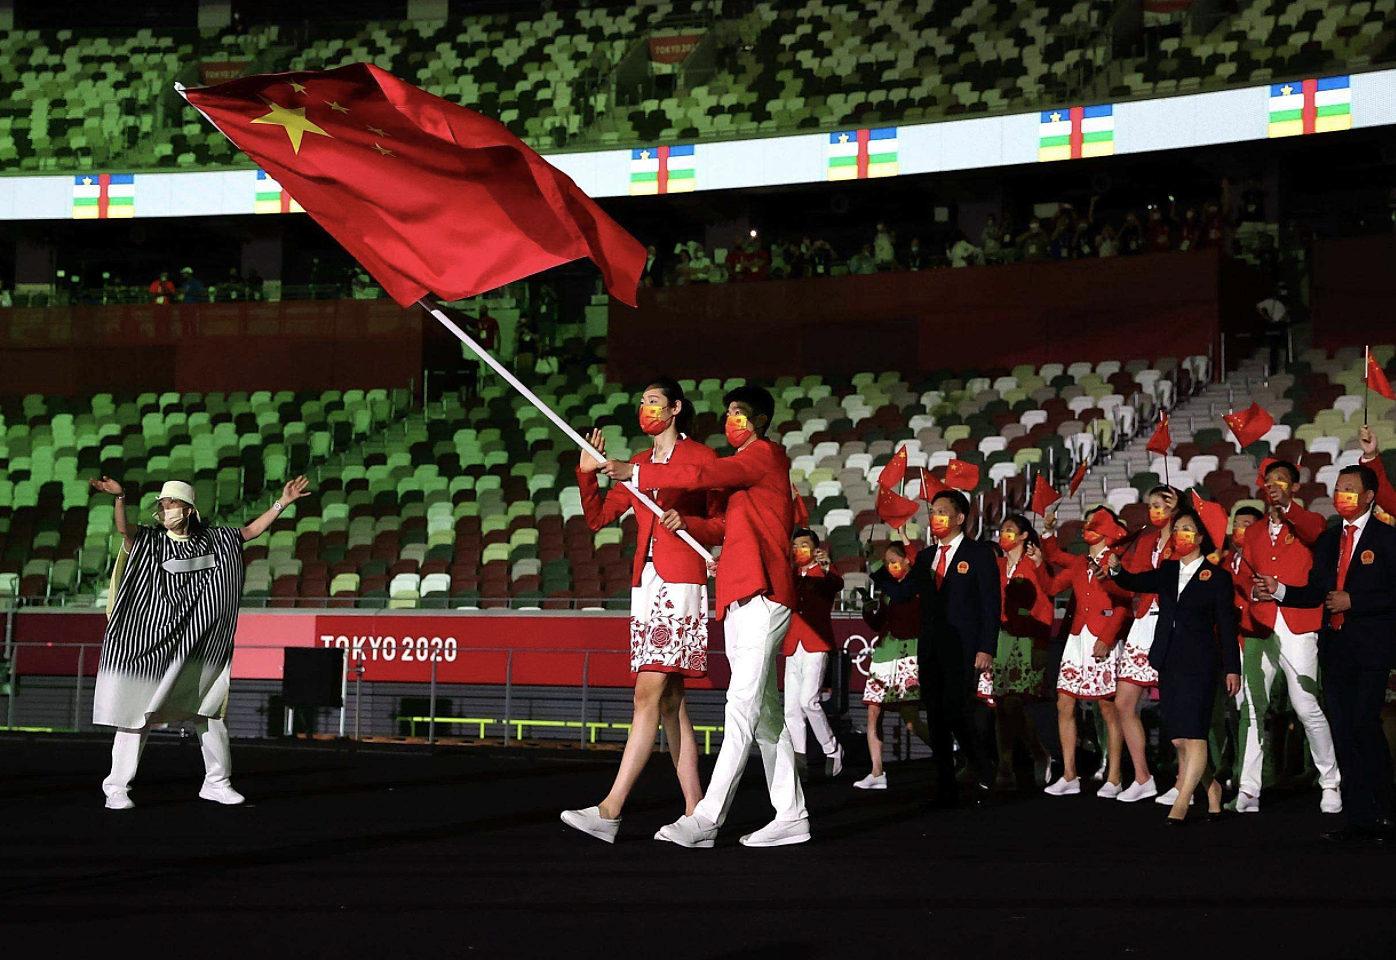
(821, 259)
(915, 256)
(1354, 578)
(1215, 223)
(806, 651)
(254, 284)
(863, 261)
(171, 615)
(191, 289)
(1190, 232)
(1032, 243)
(893, 675)
(1274, 317)
(1158, 238)
(755, 598)
(683, 270)
(1018, 675)
(162, 290)
(1059, 244)
(700, 266)
(1107, 243)
(232, 288)
(668, 600)
(885, 248)
(1195, 642)
(653, 273)
(747, 261)
(1091, 658)
(961, 253)
(991, 240)
(1083, 243)
(1131, 235)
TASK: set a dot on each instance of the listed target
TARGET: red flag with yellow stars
(962, 475)
(1161, 440)
(801, 509)
(430, 197)
(1250, 424)
(1376, 378)
(893, 471)
(930, 486)
(894, 509)
(1043, 496)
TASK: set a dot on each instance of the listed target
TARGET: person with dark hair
(755, 598)
(668, 600)
(893, 674)
(806, 650)
(1018, 675)
(1354, 577)
(1283, 547)
(957, 579)
(1136, 677)
(1196, 639)
(171, 614)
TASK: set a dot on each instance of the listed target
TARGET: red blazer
(1026, 591)
(1101, 606)
(1242, 578)
(759, 519)
(674, 560)
(1139, 558)
(812, 625)
(1287, 558)
(1386, 493)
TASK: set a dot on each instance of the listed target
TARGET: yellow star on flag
(294, 121)
(384, 151)
(376, 132)
(335, 106)
(299, 88)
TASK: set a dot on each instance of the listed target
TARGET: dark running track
(396, 850)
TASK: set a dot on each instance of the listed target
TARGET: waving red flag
(801, 510)
(962, 475)
(930, 486)
(1077, 477)
(427, 195)
(1376, 378)
(1250, 424)
(1107, 526)
(894, 509)
(893, 471)
(1213, 518)
(1043, 496)
(1160, 441)
(1265, 466)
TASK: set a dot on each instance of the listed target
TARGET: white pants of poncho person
(1298, 658)
(754, 632)
(129, 742)
(804, 679)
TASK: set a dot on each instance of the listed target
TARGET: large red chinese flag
(1250, 424)
(1213, 517)
(1160, 441)
(962, 475)
(893, 471)
(930, 486)
(1043, 496)
(430, 197)
(801, 509)
(894, 509)
(1376, 379)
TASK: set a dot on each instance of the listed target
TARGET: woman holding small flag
(806, 650)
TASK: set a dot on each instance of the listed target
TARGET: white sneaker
(1245, 803)
(833, 766)
(870, 782)
(1099, 774)
(1332, 801)
(694, 831)
(778, 833)
(590, 821)
(1166, 798)
(119, 800)
(221, 793)
(1109, 791)
(1063, 787)
(1138, 791)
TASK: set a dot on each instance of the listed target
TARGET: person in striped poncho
(168, 651)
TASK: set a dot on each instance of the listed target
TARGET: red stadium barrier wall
(292, 345)
(397, 646)
(1166, 304)
(1354, 290)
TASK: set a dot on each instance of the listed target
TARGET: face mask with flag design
(940, 525)
(1184, 542)
(1158, 516)
(1348, 503)
(803, 555)
(652, 419)
(898, 569)
(1008, 539)
(738, 429)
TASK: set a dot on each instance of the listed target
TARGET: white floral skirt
(668, 626)
(894, 675)
(1134, 655)
(1082, 675)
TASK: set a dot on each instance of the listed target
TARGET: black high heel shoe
(1175, 822)
(1214, 817)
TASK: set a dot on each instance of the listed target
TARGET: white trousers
(754, 631)
(129, 742)
(1297, 656)
(804, 679)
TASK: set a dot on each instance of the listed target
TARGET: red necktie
(1344, 558)
(940, 563)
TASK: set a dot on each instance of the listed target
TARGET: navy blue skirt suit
(1196, 641)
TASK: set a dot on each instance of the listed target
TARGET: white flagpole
(561, 424)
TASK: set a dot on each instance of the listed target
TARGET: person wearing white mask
(168, 651)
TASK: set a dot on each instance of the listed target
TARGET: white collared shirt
(1360, 523)
(1186, 571)
(954, 545)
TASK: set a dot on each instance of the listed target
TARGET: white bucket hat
(177, 490)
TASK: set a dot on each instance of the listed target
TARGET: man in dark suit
(958, 581)
(1354, 578)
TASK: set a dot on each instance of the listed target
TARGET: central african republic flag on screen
(1310, 106)
(271, 198)
(662, 170)
(860, 154)
(1072, 132)
(103, 196)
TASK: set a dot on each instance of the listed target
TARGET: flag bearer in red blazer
(1282, 547)
(1092, 651)
(807, 647)
(668, 601)
(755, 597)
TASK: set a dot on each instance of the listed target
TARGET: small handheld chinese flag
(894, 509)
(930, 486)
(1043, 496)
(430, 197)
(1161, 440)
(1077, 477)
(1213, 518)
(1376, 378)
(893, 471)
(801, 510)
(1265, 466)
(1107, 526)
(962, 475)
(1250, 424)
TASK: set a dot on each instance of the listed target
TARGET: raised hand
(1034, 553)
(821, 556)
(588, 463)
(618, 470)
(294, 490)
(1049, 523)
(1367, 440)
(106, 485)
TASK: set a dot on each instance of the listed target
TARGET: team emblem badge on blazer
(1204, 575)
(1289, 538)
(963, 566)
(1368, 557)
